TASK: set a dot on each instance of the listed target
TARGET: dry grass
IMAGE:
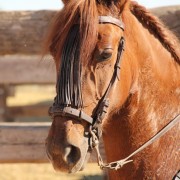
(25, 95)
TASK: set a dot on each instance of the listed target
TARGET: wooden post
(3, 105)
(5, 91)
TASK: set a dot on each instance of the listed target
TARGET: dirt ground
(46, 172)
(26, 95)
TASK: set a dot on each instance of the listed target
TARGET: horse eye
(106, 54)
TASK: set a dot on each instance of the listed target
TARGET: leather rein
(95, 121)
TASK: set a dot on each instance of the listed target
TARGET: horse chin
(85, 160)
(81, 164)
(69, 168)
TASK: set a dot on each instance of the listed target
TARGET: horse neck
(158, 74)
(153, 97)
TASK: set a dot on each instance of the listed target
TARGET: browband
(111, 20)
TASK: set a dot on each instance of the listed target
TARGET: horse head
(107, 72)
(87, 82)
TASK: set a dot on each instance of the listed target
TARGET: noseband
(69, 110)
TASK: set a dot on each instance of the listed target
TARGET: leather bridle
(95, 121)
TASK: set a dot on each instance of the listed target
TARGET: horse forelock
(85, 13)
(79, 12)
(88, 29)
(156, 27)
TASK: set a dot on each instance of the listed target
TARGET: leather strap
(69, 112)
(120, 163)
(111, 20)
(103, 104)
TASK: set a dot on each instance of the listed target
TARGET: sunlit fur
(145, 99)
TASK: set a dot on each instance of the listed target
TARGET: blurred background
(27, 87)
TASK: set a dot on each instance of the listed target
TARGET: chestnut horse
(139, 81)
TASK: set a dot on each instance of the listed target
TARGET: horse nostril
(67, 151)
(71, 154)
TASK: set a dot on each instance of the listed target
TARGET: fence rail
(25, 143)
(23, 31)
(19, 69)
(23, 70)
(28, 111)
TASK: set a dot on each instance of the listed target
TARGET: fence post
(5, 91)
(3, 105)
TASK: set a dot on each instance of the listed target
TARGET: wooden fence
(24, 142)
(21, 33)
(20, 70)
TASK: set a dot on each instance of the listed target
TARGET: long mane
(156, 27)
